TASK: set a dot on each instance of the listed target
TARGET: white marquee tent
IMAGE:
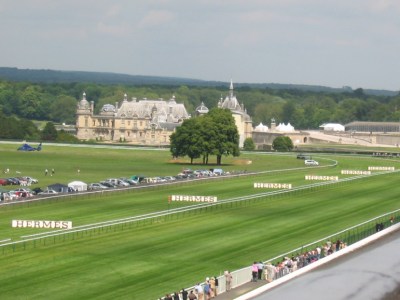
(78, 185)
(332, 127)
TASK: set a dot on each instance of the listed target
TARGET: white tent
(332, 127)
(78, 185)
(285, 128)
(261, 127)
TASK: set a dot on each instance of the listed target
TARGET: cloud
(117, 30)
(156, 17)
(239, 39)
(114, 11)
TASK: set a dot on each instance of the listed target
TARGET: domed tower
(201, 110)
(84, 116)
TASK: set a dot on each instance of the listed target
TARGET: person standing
(45, 172)
(270, 272)
(318, 253)
(176, 296)
(79, 171)
(228, 278)
(207, 289)
(260, 269)
(192, 296)
(216, 286)
(52, 172)
(184, 294)
(212, 284)
(255, 271)
(199, 290)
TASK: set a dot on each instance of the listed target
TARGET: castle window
(141, 123)
(129, 123)
(134, 125)
(140, 134)
(86, 122)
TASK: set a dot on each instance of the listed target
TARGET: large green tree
(215, 133)
(248, 144)
(63, 109)
(226, 133)
(186, 140)
(49, 132)
(282, 143)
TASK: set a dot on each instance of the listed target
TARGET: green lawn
(147, 261)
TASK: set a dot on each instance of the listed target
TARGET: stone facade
(143, 122)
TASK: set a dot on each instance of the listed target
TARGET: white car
(30, 179)
(311, 162)
(169, 178)
(48, 192)
(94, 186)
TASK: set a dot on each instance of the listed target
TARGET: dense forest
(54, 76)
(303, 109)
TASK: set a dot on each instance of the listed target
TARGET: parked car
(131, 182)
(23, 190)
(96, 186)
(23, 194)
(48, 192)
(30, 179)
(169, 178)
(113, 181)
(122, 183)
(8, 196)
(147, 180)
(13, 181)
(311, 162)
(107, 184)
(3, 182)
(37, 190)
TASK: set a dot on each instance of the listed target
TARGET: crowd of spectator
(269, 271)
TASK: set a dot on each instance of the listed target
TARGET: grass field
(148, 261)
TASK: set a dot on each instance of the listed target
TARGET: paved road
(344, 140)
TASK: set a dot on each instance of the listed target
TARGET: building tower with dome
(144, 122)
(243, 121)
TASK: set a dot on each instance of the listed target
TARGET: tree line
(23, 129)
(303, 109)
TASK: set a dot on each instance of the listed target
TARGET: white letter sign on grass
(194, 198)
(42, 224)
(273, 185)
(352, 172)
(309, 177)
(381, 168)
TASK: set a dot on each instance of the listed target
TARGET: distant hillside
(52, 76)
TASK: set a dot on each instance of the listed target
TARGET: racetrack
(147, 261)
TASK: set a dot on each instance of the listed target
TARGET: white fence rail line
(171, 183)
(185, 209)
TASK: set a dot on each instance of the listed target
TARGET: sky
(315, 42)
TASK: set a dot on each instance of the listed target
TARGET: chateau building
(144, 122)
(243, 121)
